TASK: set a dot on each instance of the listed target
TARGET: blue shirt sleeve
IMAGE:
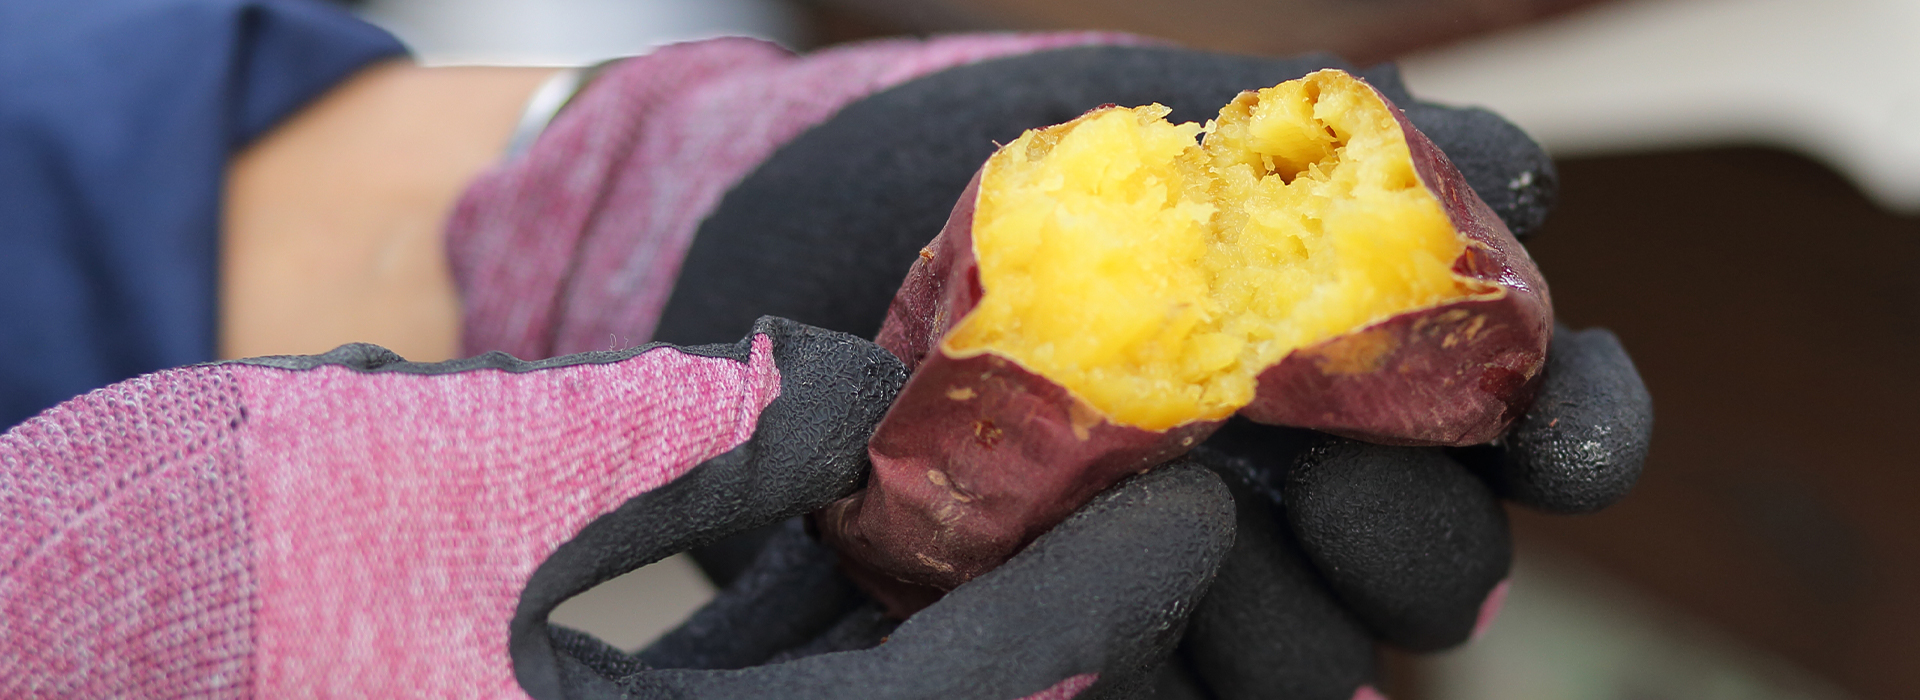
(116, 121)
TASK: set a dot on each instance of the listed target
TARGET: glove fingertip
(1503, 165)
(1269, 626)
(1583, 444)
(1407, 538)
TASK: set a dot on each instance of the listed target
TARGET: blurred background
(1740, 202)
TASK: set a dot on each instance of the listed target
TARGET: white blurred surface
(570, 32)
(1568, 632)
(1836, 79)
(632, 610)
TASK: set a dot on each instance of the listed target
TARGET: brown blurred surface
(1364, 32)
(1774, 314)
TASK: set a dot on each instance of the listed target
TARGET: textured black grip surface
(1580, 448)
(791, 595)
(1107, 592)
(1269, 627)
(1408, 538)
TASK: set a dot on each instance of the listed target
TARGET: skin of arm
(332, 224)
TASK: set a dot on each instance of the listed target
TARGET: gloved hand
(807, 186)
(1340, 546)
(1341, 543)
(354, 525)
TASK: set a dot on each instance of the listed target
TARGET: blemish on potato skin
(1464, 335)
(939, 478)
(1446, 322)
(1081, 418)
(1500, 380)
(1476, 261)
(1360, 353)
(961, 393)
(935, 563)
(926, 253)
(948, 513)
(986, 433)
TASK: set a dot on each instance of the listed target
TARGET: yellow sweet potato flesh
(1155, 277)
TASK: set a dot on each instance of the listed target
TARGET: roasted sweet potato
(1108, 290)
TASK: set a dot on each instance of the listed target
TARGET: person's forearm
(332, 224)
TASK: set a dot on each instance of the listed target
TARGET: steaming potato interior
(1155, 277)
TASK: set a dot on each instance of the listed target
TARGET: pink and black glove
(692, 190)
(355, 525)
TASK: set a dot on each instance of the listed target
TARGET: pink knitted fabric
(125, 565)
(576, 246)
(1064, 690)
(1490, 608)
(246, 531)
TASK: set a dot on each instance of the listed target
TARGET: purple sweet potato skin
(940, 288)
(977, 458)
(1456, 374)
(978, 455)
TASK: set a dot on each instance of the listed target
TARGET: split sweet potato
(1109, 290)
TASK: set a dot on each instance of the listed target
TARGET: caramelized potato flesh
(1155, 269)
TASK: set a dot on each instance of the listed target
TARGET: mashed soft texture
(1155, 277)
